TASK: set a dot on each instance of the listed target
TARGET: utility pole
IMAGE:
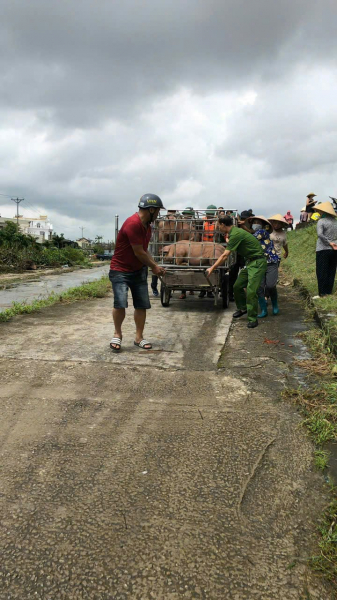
(17, 202)
(82, 229)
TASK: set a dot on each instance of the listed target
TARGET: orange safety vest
(209, 229)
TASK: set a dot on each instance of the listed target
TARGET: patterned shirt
(267, 245)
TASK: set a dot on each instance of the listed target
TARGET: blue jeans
(136, 281)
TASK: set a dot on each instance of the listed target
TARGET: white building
(39, 228)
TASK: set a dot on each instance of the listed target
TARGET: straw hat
(260, 217)
(311, 195)
(279, 218)
(327, 208)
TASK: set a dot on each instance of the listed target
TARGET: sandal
(142, 344)
(117, 342)
(182, 297)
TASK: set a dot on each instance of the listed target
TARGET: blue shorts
(137, 283)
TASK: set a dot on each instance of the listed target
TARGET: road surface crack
(252, 475)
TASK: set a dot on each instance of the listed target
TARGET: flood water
(44, 285)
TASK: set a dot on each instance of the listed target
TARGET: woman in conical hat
(326, 248)
(279, 235)
(261, 229)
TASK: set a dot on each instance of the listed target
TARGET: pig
(173, 230)
(200, 253)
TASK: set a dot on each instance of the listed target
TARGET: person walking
(261, 229)
(128, 269)
(251, 276)
(326, 248)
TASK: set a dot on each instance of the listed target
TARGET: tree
(11, 236)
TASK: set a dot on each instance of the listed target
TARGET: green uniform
(251, 276)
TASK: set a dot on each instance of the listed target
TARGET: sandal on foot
(182, 297)
(117, 342)
(142, 344)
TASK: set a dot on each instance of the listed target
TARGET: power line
(37, 212)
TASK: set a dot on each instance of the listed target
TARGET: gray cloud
(198, 101)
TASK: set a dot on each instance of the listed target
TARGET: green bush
(19, 252)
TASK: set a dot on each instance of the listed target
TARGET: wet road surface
(43, 286)
(153, 474)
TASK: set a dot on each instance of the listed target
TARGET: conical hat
(279, 218)
(326, 207)
(260, 217)
(311, 195)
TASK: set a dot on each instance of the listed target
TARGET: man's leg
(256, 272)
(140, 318)
(141, 302)
(118, 315)
(120, 291)
(154, 285)
(239, 290)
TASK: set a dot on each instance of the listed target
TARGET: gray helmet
(150, 201)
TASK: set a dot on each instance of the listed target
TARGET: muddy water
(41, 287)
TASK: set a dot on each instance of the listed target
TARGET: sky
(224, 102)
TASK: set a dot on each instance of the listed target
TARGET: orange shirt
(209, 229)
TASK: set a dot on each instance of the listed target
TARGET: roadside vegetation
(319, 400)
(19, 252)
(319, 408)
(87, 291)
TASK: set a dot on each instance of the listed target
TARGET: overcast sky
(225, 102)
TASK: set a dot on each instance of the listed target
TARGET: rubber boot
(273, 297)
(264, 310)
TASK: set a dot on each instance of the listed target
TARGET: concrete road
(153, 474)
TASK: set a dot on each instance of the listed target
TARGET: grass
(321, 459)
(94, 289)
(326, 561)
(319, 406)
(301, 266)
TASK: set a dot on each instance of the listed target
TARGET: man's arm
(146, 258)
(218, 262)
(286, 250)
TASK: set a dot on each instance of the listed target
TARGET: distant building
(84, 243)
(39, 228)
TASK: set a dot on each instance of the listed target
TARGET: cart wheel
(225, 291)
(165, 295)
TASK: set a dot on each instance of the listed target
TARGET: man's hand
(285, 255)
(157, 270)
(333, 246)
(209, 272)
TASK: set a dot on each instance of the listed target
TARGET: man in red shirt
(128, 269)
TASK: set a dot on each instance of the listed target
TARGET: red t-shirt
(132, 233)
